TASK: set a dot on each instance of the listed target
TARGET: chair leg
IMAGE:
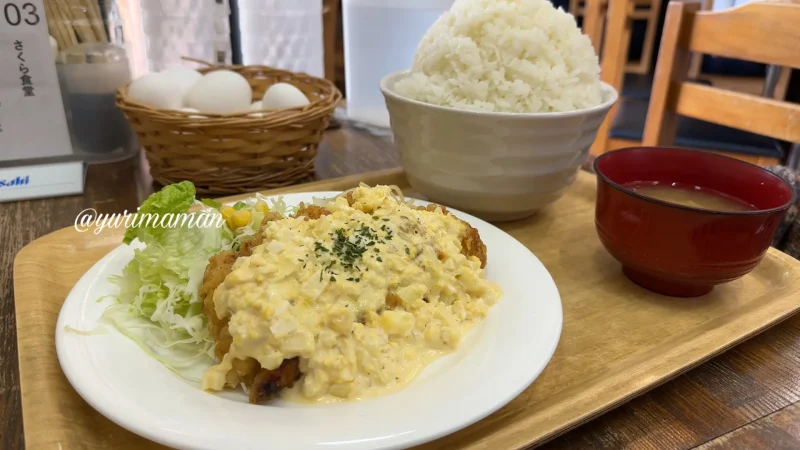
(771, 81)
(793, 160)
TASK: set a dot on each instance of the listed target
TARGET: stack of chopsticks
(75, 22)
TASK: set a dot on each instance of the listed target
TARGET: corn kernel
(261, 206)
(227, 212)
(240, 218)
(238, 340)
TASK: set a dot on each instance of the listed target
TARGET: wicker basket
(237, 153)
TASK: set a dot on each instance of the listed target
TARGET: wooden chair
(762, 32)
(596, 18)
(781, 74)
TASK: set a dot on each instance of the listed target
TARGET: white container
(285, 34)
(497, 166)
(90, 74)
(381, 37)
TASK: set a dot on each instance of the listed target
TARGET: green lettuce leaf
(173, 199)
(158, 304)
(211, 202)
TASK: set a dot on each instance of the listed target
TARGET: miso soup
(691, 196)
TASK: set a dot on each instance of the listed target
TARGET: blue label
(19, 181)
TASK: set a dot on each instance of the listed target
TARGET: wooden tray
(618, 340)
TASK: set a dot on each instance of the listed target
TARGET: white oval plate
(494, 363)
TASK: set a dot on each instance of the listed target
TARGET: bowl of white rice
(499, 109)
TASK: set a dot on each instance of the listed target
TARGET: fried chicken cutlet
(264, 384)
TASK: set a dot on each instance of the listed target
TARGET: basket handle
(198, 61)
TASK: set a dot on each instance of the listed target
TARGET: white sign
(33, 124)
(50, 180)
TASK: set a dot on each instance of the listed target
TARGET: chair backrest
(765, 32)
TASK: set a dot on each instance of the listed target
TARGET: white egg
(256, 106)
(184, 77)
(220, 92)
(193, 116)
(156, 91)
(283, 95)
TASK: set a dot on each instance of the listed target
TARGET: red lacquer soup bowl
(679, 250)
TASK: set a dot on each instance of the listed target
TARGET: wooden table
(746, 398)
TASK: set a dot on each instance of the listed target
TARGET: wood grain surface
(744, 398)
(617, 340)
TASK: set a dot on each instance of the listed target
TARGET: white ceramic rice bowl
(497, 166)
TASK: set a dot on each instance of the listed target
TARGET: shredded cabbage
(158, 304)
(161, 285)
(322, 201)
(93, 332)
(278, 205)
